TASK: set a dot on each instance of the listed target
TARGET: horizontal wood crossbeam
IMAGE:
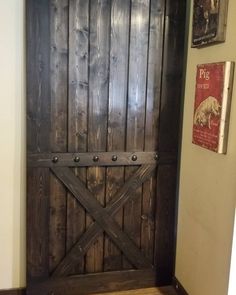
(77, 252)
(95, 283)
(103, 219)
(91, 159)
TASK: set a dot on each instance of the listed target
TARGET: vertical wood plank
(78, 110)
(37, 224)
(154, 78)
(120, 19)
(59, 67)
(38, 136)
(156, 34)
(136, 105)
(137, 74)
(98, 105)
(38, 75)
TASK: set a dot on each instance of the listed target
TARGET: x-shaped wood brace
(103, 218)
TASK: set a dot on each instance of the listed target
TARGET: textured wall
(207, 188)
(12, 144)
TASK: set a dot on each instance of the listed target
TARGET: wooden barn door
(103, 97)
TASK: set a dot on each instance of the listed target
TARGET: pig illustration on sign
(208, 107)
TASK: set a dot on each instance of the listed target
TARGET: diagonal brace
(94, 230)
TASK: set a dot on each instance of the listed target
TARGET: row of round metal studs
(114, 158)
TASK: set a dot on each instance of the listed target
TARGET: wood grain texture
(98, 104)
(153, 93)
(87, 159)
(38, 139)
(38, 73)
(101, 217)
(78, 75)
(104, 80)
(95, 283)
(37, 221)
(143, 291)
(146, 291)
(77, 111)
(122, 196)
(120, 19)
(59, 88)
(138, 52)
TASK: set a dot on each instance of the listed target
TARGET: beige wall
(207, 188)
(12, 145)
(232, 281)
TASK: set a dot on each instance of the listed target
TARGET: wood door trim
(122, 196)
(95, 283)
(101, 217)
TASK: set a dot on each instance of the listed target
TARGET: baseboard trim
(179, 287)
(19, 291)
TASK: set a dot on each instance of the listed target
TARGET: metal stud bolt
(76, 159)
(134, 158)
(55, 159)
(114, 158)
(95, 158)
(156, 157)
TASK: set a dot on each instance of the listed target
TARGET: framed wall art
(214, 83)
(209, 22)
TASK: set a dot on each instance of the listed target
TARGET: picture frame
(211, 116)
(209, 22)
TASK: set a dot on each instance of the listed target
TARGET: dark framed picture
(209, 22)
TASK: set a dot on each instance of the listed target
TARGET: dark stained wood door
(103, 106)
